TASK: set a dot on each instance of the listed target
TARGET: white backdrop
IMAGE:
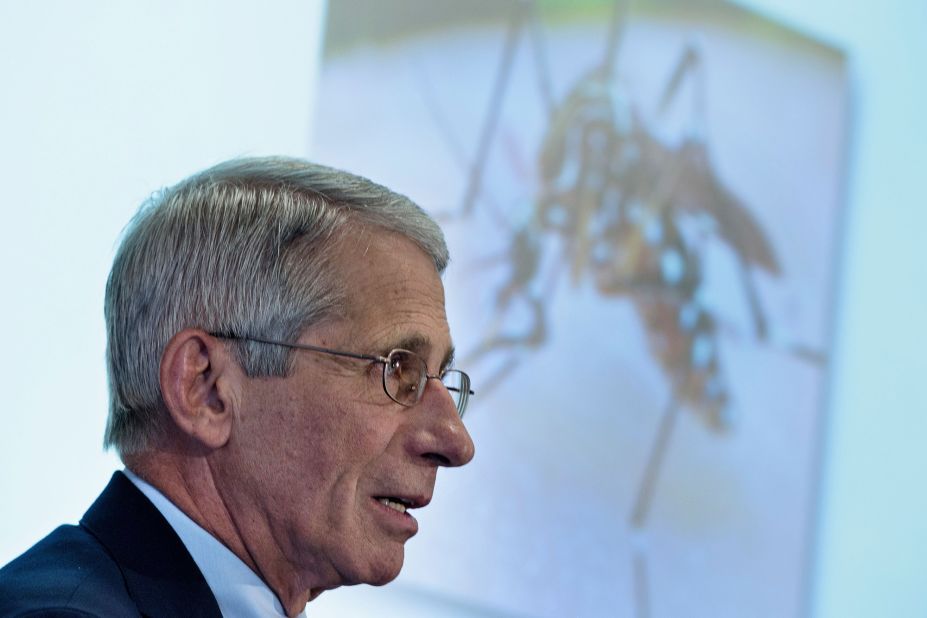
(102, 103)
(872, 532)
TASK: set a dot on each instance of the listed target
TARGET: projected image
(642, 205)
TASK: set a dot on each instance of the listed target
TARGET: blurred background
(685, 277)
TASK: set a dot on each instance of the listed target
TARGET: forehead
(394, 295)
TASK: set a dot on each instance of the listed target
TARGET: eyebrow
(421, 344)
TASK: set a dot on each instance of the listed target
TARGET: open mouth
(397, 504)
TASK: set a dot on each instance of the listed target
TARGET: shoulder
(68, 573)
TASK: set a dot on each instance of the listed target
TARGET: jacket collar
(160, 575)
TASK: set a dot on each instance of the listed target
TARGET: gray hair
(243, 247)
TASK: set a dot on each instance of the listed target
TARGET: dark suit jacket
(123, 559)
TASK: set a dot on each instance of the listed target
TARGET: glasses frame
(465, 392)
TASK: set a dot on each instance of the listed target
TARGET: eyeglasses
(405, 373)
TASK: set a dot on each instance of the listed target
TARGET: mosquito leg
(688, 62)
(615, 35)
(654, 463)
(499, 376)
(639, 571)
(760, 325)
(456, 149)
(440, 119)
(641, 581)
(495, 107)
(539, 46)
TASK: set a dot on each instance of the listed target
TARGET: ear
(197, 377)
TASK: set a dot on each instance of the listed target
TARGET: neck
(191, 485)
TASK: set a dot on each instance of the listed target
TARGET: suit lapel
(160, 575)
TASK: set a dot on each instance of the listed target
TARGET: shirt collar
(238, 590)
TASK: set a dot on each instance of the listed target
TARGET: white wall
(100, 104)
(873, 519)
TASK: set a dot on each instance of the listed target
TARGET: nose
(440, 436)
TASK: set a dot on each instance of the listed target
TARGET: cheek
(340, 447)
(287, 440)
(324, 447)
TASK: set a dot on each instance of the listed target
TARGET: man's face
(312, 454)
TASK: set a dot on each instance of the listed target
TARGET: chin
(385, 576)
(383, 569)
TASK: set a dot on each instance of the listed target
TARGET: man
(277, 343)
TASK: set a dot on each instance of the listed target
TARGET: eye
(406, 374)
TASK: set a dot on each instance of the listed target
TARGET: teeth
(397, 506)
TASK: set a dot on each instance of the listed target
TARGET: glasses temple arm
(303, 346)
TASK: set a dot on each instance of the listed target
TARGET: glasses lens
(404, 377)
(458, 385)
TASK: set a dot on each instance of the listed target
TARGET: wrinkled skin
(309, 453)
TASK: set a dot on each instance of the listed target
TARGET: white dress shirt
(238, 590)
